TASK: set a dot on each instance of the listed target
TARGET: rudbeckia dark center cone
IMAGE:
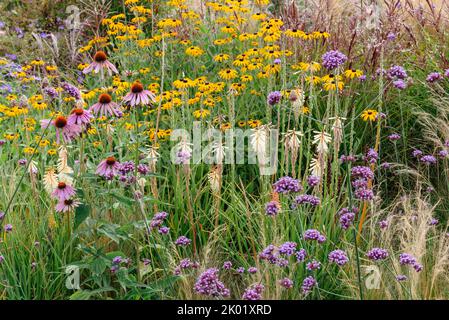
(100, 56)
(61, 185)
(68, 202)
(60, 122)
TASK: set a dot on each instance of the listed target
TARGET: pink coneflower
(100, 62)
(67, 205)
(108, 168)
(138, 95)
(106, 107)
(69, 131)
(63, 191)
(79, 116)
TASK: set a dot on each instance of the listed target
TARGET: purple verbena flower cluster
(348, 158)
(274, 98)
(287, 248)
(273, 254)
(157, 221)
(183, 241)
(286, 283)
(71, 90)
(428, 160)
(401, 277)
(408, 259)
(8, 228)
(314, 235)
(371, 156)
(185, 264)
(305, 199)
(308, 284)
(254, 292)
(396, 73)
(126, 172)
(183, 157)
(443, 154)
(361, 175)
(313, 265)
(377, 254)
(269, 254)
(417, 153)
(313, 181)
(208, 284)
(383, 224)
(400, 84)
(117, 262)
(347, 217)
(364, 194)
(339, 257)
(51, 92)
(333, 59)
(394, 137)
(286, 185)
(252, 270)
(272, 208)
(362, 172)
(227, 265)
(434, 77)
(301, 255)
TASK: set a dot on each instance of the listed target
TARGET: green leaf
(113, 254)
(98, 266)
(87, 294)
(113, 232)
(81, 213)
(125, 200)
